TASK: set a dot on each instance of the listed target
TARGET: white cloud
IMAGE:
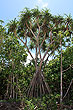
(43, 4)
(39, 1)
(33, 54)
(29, 58)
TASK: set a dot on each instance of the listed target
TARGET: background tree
(2, 30)
(12, 59)
(52, 75)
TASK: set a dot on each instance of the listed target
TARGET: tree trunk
(38, 86)
(7, 91)
(16, 86)
(61, 85)
(13, 88)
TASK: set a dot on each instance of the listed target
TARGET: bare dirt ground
(11, 106)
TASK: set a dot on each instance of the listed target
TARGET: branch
(31, 31)
(45, 54)
(38, 41)
(41, 46)
(25, 37)
(43, 23)
(68, 68)
(39, 50)
(51, 32)
(36, 58)
(51, 35)
(39, 30)
(64, 106)
(61, 84)
(68, 88)
(35, 37)
(51, 28)
(24, 44)
(43, 40)
(49, 56)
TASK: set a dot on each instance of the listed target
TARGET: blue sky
(9, 9)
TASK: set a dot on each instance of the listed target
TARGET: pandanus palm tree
(44, 31)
